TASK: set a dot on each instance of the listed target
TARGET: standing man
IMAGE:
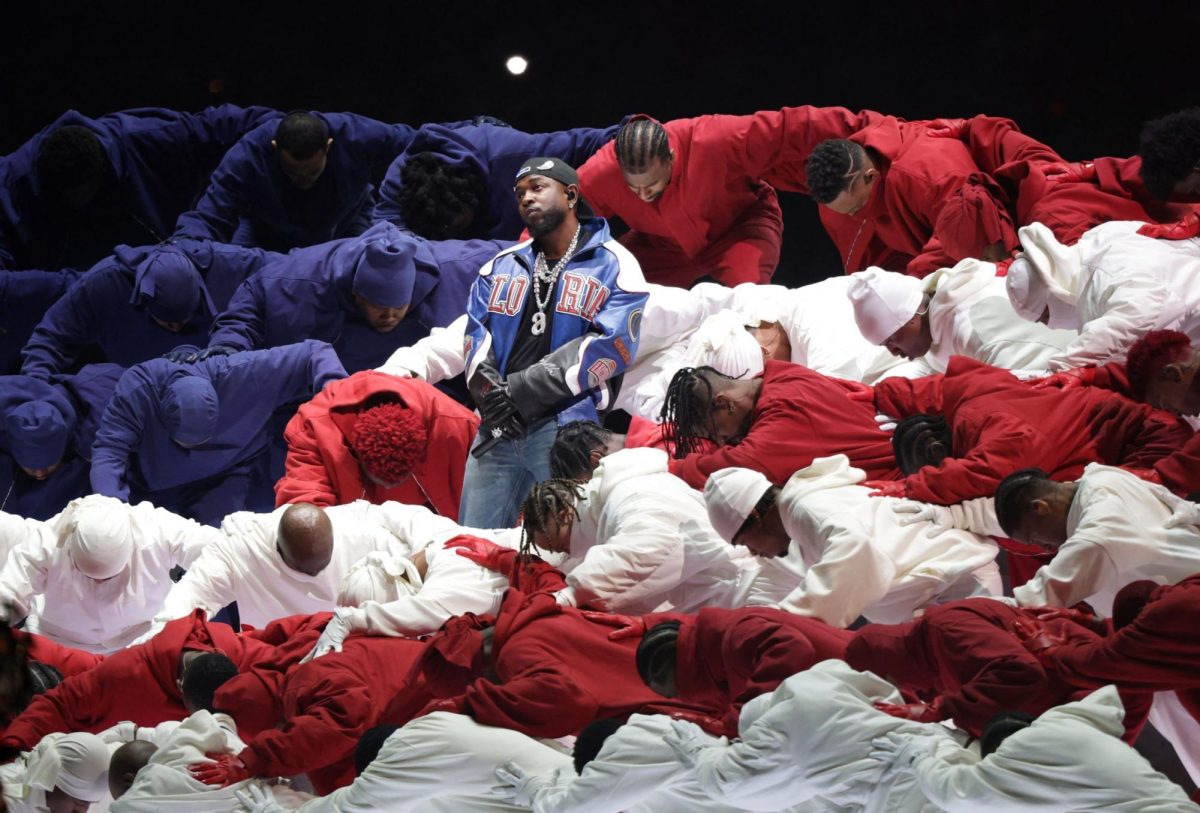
(529, 362)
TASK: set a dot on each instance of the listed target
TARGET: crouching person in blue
(195, 438)
(367, 295)
(46, 436)
(552, 324)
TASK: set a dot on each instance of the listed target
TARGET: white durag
(95, 531)
(379, 577)
(723, 343)
(75, 763)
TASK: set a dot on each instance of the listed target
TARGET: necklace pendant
(538, 326)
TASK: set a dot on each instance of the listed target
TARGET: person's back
(24, 297)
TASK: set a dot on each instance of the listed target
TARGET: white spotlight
(516, 65)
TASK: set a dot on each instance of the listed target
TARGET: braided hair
(434, 193)
(639, 143)
(571, 454)
(545, 502)
(1014, 494)
(909, 441)
(686, 415)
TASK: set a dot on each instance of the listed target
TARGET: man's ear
(1172, 372)
(1040, 507)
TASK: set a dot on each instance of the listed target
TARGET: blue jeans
(495, 485)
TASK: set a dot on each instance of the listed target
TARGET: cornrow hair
(545, 502)
(571, 454)
(686, 415)
(641, 142)
(910, 431)
(1013, 494)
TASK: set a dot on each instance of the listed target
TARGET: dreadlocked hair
(828, 167)
(686, 415)
(641, 142)
(434, 193)
(571, 454)
(545, 502)
(1150, 354)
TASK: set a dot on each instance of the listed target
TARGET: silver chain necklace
(549, 276)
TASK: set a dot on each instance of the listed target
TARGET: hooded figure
(494, 153)
(959, 311)
(101, 567)
(1115, 285)
(47, 429)
(25, 296)
(251, 201)
(193, 435)
(144, 167)
(140, 303)
(72, 765)
(367, 295)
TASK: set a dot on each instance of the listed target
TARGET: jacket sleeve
(481, 369)
(1180, 471)
(305, 477)
(296, 372)
(217, 212)
(1132, 304)
(1005, 445)
(774, 144)
(757, 770)
(121, 429)
(850, 575)
(322, 725)
(763, 654)
(543, 700)
(68, 326)
(185, 538)
(994, 142)
(575, 146)
(242, 324)
(590, 362)
(433, 359)
(903, 397)
(209, 584)
(1079, 568)
(25, 570)
(1156, 435)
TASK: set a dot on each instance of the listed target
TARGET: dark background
(1079, 76)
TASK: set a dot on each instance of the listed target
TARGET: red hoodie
(968, 654)
(800, 415)
(322, 469)
(136, 684)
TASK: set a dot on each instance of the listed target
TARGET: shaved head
(305, 538)
(125, 763)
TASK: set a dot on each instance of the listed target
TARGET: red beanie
(972, 219)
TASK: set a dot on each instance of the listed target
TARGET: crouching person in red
(377, 437)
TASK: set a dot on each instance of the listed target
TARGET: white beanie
(730, 495)
(883, 301)
(379, 577)
(98, 537)
(1027, 292)
(723, 343)
(75, 763)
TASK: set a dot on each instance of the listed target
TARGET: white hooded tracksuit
(1114, 286)
(1071, 760)
(107, 611)
(859, 560)
(810, 741)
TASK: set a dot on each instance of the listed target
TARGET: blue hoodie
(25, 296)
(97, 311)
(81, 398)
(497, 152)
(310, 294)
(134, 453)
(160, 162)
(250, 201)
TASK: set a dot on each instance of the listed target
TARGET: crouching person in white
(64, 773)
(810, 741)
(858, 557)
(1069, 760)
(98, 571)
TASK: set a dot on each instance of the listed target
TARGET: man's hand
(453, 705)
(1073, 172)
(336, 631)
(224, 770)
(687, 741)
(919, 712)
(628, 626)
(181, 354)
(909, 512)
(887, 488)
(713, 725)
(1186, 513)
(1184, 229)
(484, 552)
(517, 785)
(1149, 475)
(1068, 379)
(898, 752)
(254, 799)
(946, 128)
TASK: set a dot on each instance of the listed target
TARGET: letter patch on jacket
(600, 371)
(508, 294)
(581, 295)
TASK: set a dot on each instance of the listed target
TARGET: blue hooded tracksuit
(160, 162)
(98, 310)
(81, 399)
(25, 296)
(310, 294)
(134, 456)
(251, 202)
(497, 152)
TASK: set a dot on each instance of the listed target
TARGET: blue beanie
(189, 410)
(38, 434)
(169, 286)
(385, 272)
